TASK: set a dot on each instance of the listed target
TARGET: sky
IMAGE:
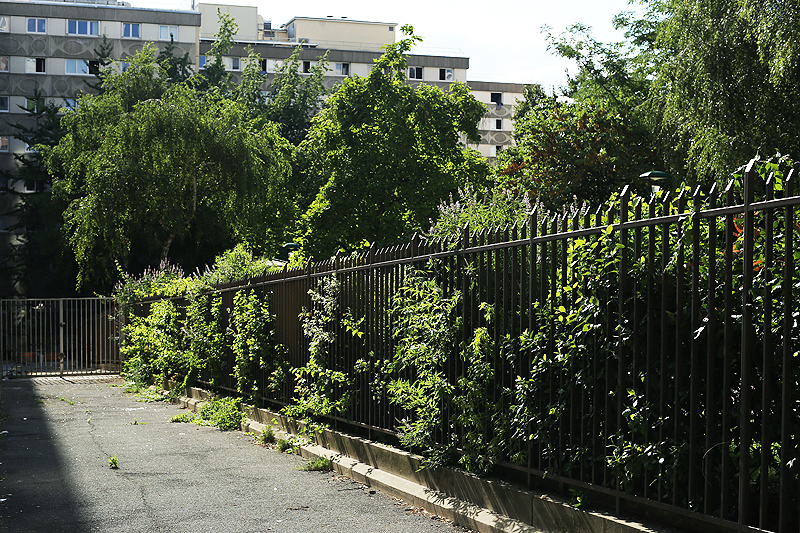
(503, 40)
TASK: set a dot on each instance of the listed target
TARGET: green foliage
(426, 330)
(725, 83)
(293, 99)
(214, 76)
(320, 389)
(385, 153)
(183, 418)
(227, 171)
(427, 327)
(152, 348)
(252, 342)
(267, 435)
(113, 462)
(283, 445)
(489, 209)
(40, 263)
(318, 464)
(160, 344)
(581, 150)
(223, 413)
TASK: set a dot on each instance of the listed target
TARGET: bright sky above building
(503, 40)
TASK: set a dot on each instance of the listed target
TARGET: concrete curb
(486, 506)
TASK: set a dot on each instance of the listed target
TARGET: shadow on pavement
(35, 492)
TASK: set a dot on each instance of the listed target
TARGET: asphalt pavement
(57, 435)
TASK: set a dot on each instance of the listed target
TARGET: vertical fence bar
(711, 397)
(788, 450)
(663, 371)
(767, 355)
(621, 326)
(694, 362)
(745, 407)
(679, 346)
(651, 391)
(726, 505)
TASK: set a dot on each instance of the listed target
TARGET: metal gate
(59, 336)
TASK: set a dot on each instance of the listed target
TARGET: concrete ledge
(485, 505)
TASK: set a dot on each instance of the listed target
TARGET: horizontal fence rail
(58, 336)
(645, 354)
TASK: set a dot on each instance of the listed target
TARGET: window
(3, 103)
(130, 30)
(37, 25)
(306, 67)
(165, 33)
(498, 124)
(123, 66)
(77, 66)
(391, 28)
(263, 65)
(446, 74)
(34, 64)
(33, 185)
(342, 69)
(3, 143)
(70, 104)
(3, 22)
(235, 63)
(83, 27)
(3, 63)
(415, 73)
(497, 98)
(201, 62)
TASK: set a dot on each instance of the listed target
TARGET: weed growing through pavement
(186, 417)
(319, 464)
(113, 463)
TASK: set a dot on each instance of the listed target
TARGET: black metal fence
(646, 353)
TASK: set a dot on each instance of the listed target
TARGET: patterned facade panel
(496, 138)
(502, 111)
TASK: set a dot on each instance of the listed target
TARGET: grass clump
(283, 445)
(267, 435)
(223, 413)
(113, 462)
(319, 464)
(186, 417)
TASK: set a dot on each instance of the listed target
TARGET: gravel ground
(58, 435)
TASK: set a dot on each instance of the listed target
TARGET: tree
(726, 84)
(293, 99)
(386, 153)
(572, 150)
(145, 165)
(214, 74)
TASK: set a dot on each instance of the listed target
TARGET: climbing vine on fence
(320, 388)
